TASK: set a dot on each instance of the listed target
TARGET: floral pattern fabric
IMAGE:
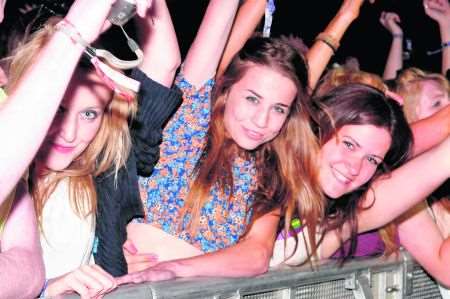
(222, 220)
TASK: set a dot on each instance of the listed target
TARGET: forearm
(444, 29)
(394, 61)
(236, 261)
(205, 52)
(320, 53)
(29, 109)
(248, 17)
(159, 44)
(22, 273)
(431, 131)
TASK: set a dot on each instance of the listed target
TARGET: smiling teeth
(340, 177)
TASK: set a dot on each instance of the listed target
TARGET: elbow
(36, 278)
(259, 262)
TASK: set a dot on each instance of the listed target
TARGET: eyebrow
(261, 97)
(358, 145)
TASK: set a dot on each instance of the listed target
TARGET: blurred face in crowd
(433, 98)
(76, 123)
(350, 158)
(257, 106)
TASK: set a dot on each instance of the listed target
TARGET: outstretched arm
(392, 195)
(22, 268)
(248, 257)
(36, 98)
(205, 52)
(439, 10)
(394, 62)
(430, 131)
(248, 17)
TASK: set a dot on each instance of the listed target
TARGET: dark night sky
(366, 39)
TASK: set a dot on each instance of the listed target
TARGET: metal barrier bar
(362, 278)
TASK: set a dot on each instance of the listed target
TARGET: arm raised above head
(28, 112)
(205, 52)
(159, 43)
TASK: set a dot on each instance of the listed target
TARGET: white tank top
(67, 239)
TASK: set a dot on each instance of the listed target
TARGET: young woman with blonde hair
(84, 178)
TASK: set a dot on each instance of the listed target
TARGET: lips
(256, 136)
(340, 177)
(63, 149)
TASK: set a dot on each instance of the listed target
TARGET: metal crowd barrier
(367, 278)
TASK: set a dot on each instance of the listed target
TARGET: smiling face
(350, 158)
(432, 99)
(257, 106)
(76, 123)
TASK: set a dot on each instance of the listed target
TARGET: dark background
(366, 39)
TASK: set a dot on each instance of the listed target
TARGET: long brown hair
(360, 104)
(286, 166)
(107, 152)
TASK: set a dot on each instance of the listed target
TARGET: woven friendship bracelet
(329, 41)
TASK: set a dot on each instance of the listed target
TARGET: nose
(354, 164)
(68, 128)
(260, 117)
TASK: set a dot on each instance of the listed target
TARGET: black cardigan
(119, 201)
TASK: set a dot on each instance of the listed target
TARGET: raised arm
(159, 44)
(28, 112)
(22, 268)
(435, 163)
(320, 53)
(205, 52)
(248, 17)
(393, 195)
(394, 62)
(439, 10)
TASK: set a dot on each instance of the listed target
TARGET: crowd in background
(249, 153)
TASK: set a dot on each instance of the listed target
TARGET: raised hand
(438, 10)
(391, 21)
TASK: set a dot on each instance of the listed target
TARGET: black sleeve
(156, 104)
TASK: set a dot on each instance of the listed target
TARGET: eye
(89, 114)
(436, 104)
(252, 99)
(373, 160)
(348, 144)
(280, 109)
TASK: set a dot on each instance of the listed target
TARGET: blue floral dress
(222, 220)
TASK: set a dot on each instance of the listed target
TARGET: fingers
(129, 247)
(88, 281)
(145, 276)
(142, 7)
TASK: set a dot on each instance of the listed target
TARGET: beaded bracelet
(329, 41)
(397, 35)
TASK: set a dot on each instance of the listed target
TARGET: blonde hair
(409, 86)
(108, 150)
